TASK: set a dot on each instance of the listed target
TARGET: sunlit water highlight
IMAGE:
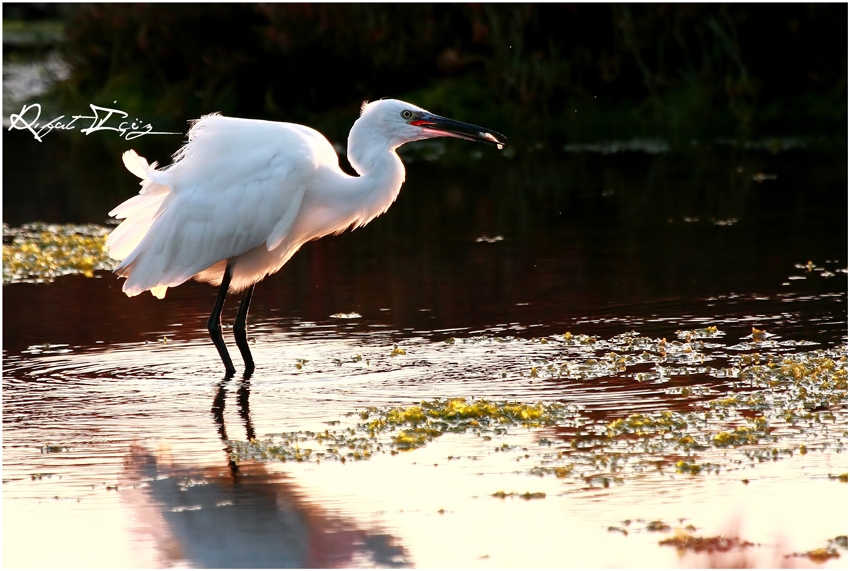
(128, 435)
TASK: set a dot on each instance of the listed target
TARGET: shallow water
(120, 432)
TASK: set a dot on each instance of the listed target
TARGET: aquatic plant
(39, 252)
(779, 404)
(396, 429)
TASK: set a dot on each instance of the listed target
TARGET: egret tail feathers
(139, 213)
(159, 291)
(139, 166)
(136, 164)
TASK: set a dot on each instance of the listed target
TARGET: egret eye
(407, 114)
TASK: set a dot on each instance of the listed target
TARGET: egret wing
(236, 185)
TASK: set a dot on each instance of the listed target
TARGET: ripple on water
(74, 417)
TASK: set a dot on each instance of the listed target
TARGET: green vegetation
(684, 541)
(780, 400)
(39, 252)
(501, 494)
(398, 429)
(33, 34)
(574, 72)
(821, 555)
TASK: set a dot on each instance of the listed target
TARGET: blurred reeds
(543, 72)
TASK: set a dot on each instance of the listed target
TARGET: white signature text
(101, 119)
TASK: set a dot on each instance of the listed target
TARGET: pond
(621, 354)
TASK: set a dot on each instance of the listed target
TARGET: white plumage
(245, 194)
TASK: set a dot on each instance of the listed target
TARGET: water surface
(119, 426)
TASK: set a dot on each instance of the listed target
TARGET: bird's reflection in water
(242, 515)
(243, 395)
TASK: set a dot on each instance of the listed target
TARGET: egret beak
(444, 127)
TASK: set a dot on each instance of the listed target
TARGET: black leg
(240, 330)
(214, 324)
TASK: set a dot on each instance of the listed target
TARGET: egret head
(399, 122)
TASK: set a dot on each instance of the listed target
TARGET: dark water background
(579, 234)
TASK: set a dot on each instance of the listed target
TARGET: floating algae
(684, 541)
(800, 396)
(769, 404)
(39, 252)
(501, 494)
(403, 428)
(821, 555)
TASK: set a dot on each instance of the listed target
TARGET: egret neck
(349, 201)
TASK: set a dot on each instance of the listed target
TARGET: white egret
(242, 195)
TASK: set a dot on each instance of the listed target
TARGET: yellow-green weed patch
(39, 252)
